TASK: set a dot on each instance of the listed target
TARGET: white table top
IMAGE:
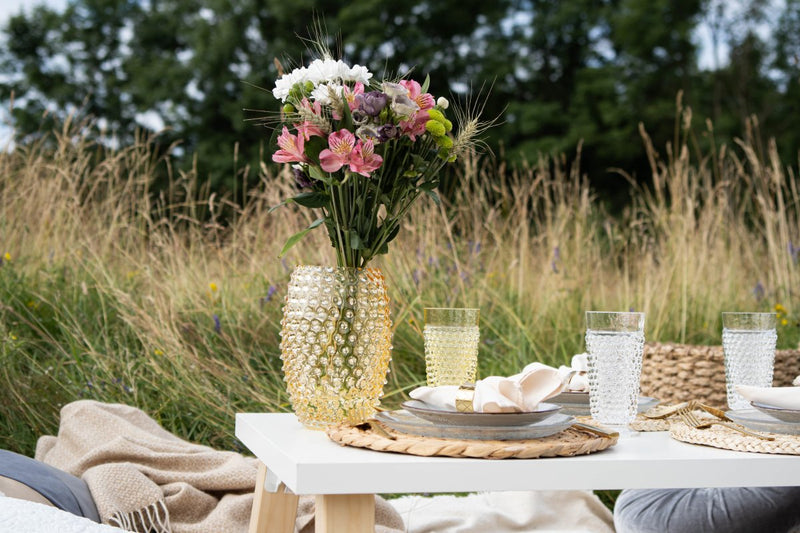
(309, 463)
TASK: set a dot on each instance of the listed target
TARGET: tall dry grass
(117, 293)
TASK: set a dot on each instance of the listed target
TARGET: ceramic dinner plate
(791, 416)
(577, 403)
(756, 420)
(454, 418)
(405, 422)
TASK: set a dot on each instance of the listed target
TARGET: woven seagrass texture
(676, 373)
(728, 439)
(567, 443)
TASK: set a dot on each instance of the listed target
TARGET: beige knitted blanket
(145, 479)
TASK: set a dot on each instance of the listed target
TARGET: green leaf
(435, 196)
(294, 239)
(429, 185)
(393, 233)
(318, 174)
(426, 84)
(355, 241)
(282, 204)
(314, 146)
(312, 199)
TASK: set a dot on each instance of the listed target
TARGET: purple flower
(271, 292)
(557, 253)
(793, 252)
(359, 117)
(301, 179)
(388, 131)
(554, 266)
(217, 325)
(758, 291)
(371, 103)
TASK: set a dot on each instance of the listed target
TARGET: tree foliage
(561, 73)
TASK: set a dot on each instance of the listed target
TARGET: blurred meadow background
(139, 263)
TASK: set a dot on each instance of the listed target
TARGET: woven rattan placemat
(728, 439)
(641, 423)
(569, 442)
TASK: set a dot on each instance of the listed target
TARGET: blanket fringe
(151, 519)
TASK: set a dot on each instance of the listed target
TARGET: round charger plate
(577, 403)
(405, 422)
(455, 418)
(791, 416)
(569, 442)
(758, 421)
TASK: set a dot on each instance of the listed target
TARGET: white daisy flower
(284, 85)
(359, 73)
(324, 92)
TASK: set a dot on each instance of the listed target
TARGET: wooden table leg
(345, 513)
(273, 512)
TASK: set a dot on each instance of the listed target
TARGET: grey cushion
(62, 489)
(732, 510)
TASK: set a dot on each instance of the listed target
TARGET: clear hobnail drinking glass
(451, 345)
(748, 344)
(614, 342)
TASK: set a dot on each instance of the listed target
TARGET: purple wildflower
(554, 266)
(557, 253)
(415, 275)
(371, 103)
(758, 291)
(217, 325)
(271, 292)
(793, 252)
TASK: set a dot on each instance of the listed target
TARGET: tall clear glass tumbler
(748, 345)
(614, 342)
(451, 345)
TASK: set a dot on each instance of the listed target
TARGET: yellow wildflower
(213, 286)
(158, 352)
(784, 322)
(7, 256)
(13, 337)
(779, 308)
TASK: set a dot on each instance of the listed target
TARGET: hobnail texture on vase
(336, 336)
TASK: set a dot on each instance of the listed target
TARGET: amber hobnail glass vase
(336, 341)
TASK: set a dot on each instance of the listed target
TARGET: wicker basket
(679, 372)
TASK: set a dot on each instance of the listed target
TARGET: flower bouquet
(362, 152)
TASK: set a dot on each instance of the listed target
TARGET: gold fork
(691, 419)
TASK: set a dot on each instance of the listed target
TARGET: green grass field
(109, 291)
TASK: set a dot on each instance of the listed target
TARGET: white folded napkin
(782, 397)
(796, 381)
(521, 392)
(578, 382)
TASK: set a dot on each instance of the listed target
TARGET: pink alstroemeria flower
(308, 129)
(415, 125)
(341, 144)
(350, 95)
(291, 148)
(364, 159)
